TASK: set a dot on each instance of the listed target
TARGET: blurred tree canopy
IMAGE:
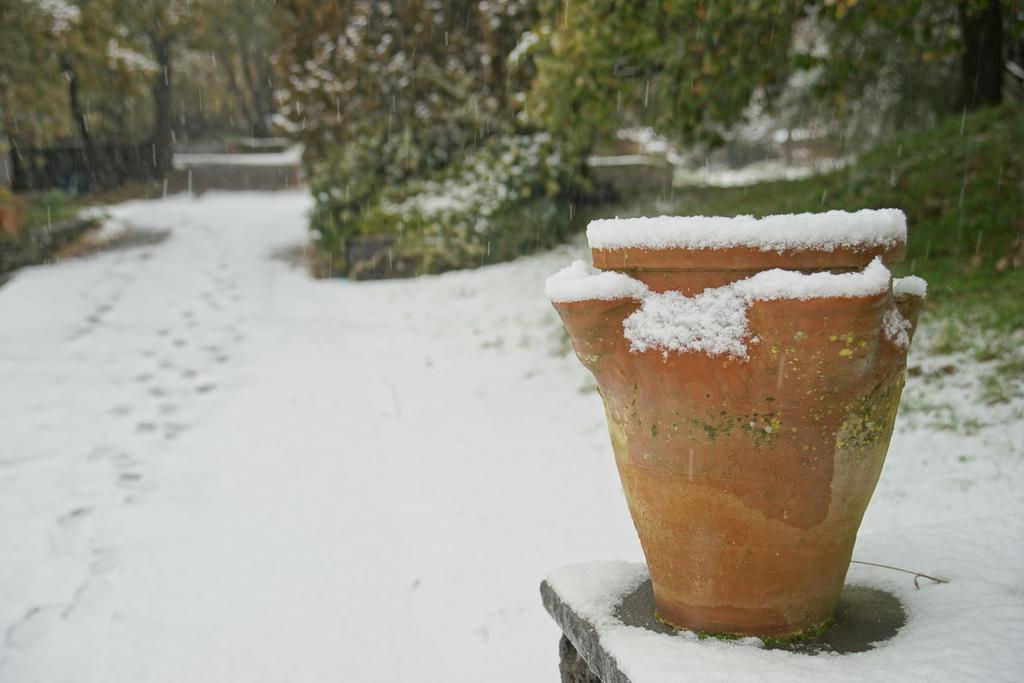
(86, 72)
(690, 68)
(30, 72)
(409, 94)
(422, 79)
(903, 65)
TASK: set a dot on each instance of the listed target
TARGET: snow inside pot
(751, 370)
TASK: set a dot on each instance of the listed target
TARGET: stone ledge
(865, 618)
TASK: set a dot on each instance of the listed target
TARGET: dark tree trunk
(228, 67)
(163, 123)
(250, 73)
(97, 174)
(982, 76)
(17, 174)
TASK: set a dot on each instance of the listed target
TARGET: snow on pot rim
(831, 239)
(714, 321)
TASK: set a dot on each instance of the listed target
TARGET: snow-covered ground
(213, 468)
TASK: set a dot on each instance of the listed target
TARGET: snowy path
(213, 468)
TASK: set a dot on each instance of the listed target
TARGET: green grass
(45, 208)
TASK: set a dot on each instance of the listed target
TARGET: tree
(164, 26)
(905, 64)
(242, 35)
(33, 102)
(382, 92)
(983, 58)
(82, 42)
(686, 67)
(691, 67)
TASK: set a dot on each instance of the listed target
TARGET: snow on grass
(757, 172)
(827, 231)
(216, 469)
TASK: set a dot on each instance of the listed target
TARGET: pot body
(747, 478)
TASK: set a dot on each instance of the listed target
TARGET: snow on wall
(826, 231)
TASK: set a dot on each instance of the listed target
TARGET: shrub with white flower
(495, 203)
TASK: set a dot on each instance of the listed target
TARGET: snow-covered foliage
(131, 60)
(393, 95)
(493, 203)
(62, 14)
(508, 170)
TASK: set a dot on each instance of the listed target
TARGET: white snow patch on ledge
(715, 321)
(826, 231)
(971, 626)
(580, 282)
(912, 285)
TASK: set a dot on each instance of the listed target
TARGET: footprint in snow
(104, 561)
(129, 479)
(173, 430)
(35, 623)
(73, 516)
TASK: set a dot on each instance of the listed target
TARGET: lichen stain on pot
(749, 416)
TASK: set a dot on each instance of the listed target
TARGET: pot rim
(806, 241)
(742, 258)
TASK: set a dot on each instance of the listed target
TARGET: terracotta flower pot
(750, 409)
